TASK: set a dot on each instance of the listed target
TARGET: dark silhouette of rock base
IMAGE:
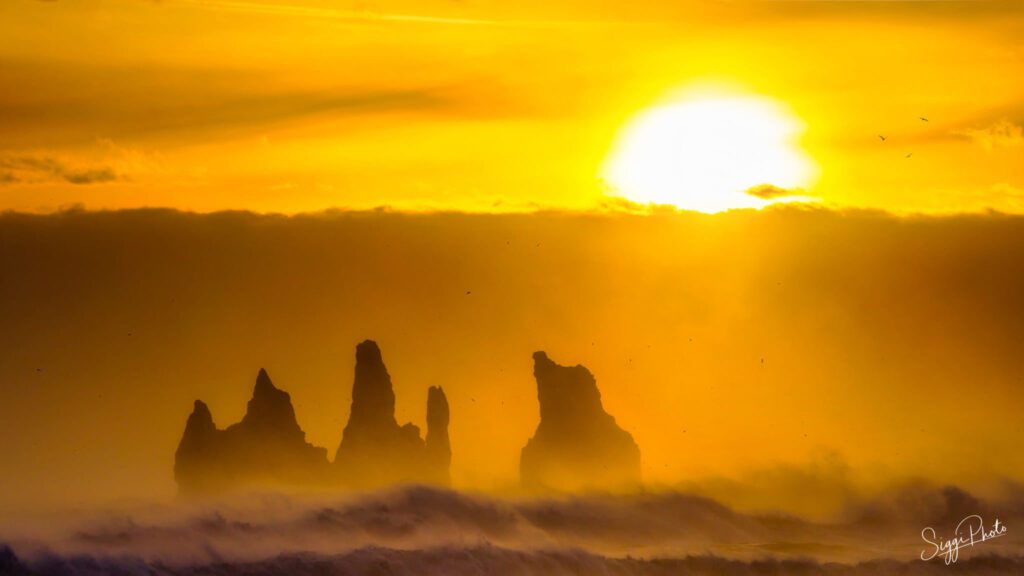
(269, 448)
(577, 444)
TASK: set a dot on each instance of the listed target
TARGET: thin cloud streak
(369, 17)
(30, 169)
(1002, 133)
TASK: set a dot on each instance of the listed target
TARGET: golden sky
(303, 105)
(883, 334)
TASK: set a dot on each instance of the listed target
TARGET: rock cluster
(269, 448)
(577, 444)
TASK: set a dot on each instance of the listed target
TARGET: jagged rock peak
(200, 421)
(368, 352)
(577, 443)
(267, 446)
(270, 408)
(264, 385)
(566, 393)
(200, 411)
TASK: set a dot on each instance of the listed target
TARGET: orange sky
(300, 105)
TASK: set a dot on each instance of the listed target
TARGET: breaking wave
(419, 530)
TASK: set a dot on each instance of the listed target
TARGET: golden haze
(859, 342)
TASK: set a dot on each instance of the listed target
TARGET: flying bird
(923, 119)
(909, 155)
(882, 137)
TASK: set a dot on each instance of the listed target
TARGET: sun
(705, 152)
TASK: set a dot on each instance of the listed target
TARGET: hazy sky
(298, 105)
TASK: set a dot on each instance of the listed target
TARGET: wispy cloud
(771, 192)
(1002, 133)
(360, 16)
(29, 169)
(64, 105)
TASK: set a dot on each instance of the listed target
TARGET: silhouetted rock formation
(577, 444)
(374, 449)
(267, 446)
(439, 450)
(197, 451)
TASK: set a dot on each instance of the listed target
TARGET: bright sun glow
(704, 153)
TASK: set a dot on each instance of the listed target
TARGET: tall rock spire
(270, 411)
(439, 449)
(199, 425)
(197, 445)
(372, 416)
(374, 449)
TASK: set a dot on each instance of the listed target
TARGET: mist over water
(422, 530)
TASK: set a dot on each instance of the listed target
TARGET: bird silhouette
(923, 119)
(882, 137)
(909, 155)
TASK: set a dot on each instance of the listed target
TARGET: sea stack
(438, 448)
(266, 447)
(269, 448)
(577, 445)
(374, 449)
